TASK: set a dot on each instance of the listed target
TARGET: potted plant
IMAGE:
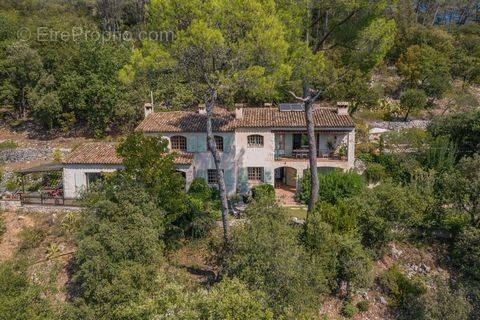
(342, 152)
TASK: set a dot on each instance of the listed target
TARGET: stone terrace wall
(399, 125)
(29, 154)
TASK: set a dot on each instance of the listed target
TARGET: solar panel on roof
(298, 107)
(291, 107)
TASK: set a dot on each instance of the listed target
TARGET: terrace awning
(47, 167)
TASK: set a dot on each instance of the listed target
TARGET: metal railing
(45, 199)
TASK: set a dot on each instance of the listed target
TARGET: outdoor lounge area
(41, 185)
(331, 145)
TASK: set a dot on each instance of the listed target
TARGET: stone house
(257, 145)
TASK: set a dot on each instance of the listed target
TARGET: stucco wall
(237, 156)
(351, 150)
(203, 160)
(189, 174)
(75, 179)
(254, 157)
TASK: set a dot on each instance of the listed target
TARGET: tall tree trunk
(417, 9)
(23, 104)
(312, 155)
(325, 28)
(308, 100)
(406, 115)
(435, 14)
(209, 103)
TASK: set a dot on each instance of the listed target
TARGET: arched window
(255, 141)
(178, 143)
(218, 142)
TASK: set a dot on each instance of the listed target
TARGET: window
(255, 141)
(218, 142)
(178, 143)
(92, 178)
(212, 176)
(255, 174)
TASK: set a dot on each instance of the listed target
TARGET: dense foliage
(390, 58)
(334, 186)
(92, 64)
(19, 298)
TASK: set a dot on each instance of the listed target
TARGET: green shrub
(19, 297)
(13, 183)
(334, 186)
(338, 185)
(203, 204)
(200, 189)
(466, 252)
(363, 305)
(343, 256)
(120, 248)
(200, 225)
(404, 293)
(57, 156)
(263, 192)
(394, 202)
(265, 255)
(375, 230)
(8, 145)
(374, 173)
(355, 265)
(444, 303)
(31, 238)
(342, 217)
(231, 299)
(201, 212)
(349, 310)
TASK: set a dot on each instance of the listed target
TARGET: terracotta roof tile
(185, 121)
(106, 153)
(94, 153)
(224, 121)
(273, 117)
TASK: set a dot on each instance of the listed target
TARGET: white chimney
(238, 113)
(148, 108)
(268, 105)
(342, 108)
(239, 110)
(202, 109)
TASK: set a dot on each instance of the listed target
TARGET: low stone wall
(10, 205)
(29, 154)
(16, 206)
(399, 125)
(47, 209)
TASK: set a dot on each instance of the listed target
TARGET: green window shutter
(267, 175)
(228, 143)
(79, 181)
(242, 180)
(199, 173)
(191, 144)
(202, 143)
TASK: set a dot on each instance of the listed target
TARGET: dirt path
(10, 239)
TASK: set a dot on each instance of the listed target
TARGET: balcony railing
(299, 154)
